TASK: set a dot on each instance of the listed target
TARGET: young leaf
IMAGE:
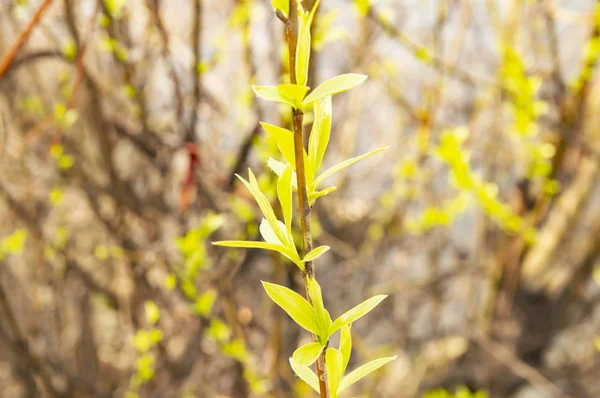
(335, 85)
(321, 131)
(345, 345)
(286, 251)
(315, 253)
(314, 195)
(284, 139)
(267, 233)
(295, 305)
(284, 192)
(279, 167)
(316, 297)
(283, 6)
(356, 313)
(343, 165)
(334, 363)
(264, 205)
(307, 354)
(310, 172)
(306, 375)
(291, 94)
(303, 44)
(361, 372)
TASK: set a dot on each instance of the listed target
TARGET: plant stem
(304, 210)
(291, 32)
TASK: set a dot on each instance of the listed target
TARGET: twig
(22, 39)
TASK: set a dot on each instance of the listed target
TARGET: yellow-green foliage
(522, 93)
(276, 230)
(144, 341)
(484, 193)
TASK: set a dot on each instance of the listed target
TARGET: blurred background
(123, 122)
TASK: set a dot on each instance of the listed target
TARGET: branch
(8, 59)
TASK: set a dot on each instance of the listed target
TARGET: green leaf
(361, 372)
(314, 195)
(264, 204)
(335, 85)
(284, 192)
(286, 251)
(356, 313)
(334, 363)
(303, 43)
(279, 167)
(315, 253)
(310, 173)
(307, 354)
(284, 139)
(306, 375)
(294, 304)
(268, 234)
(343, 165)
(324, 319)
(283, 6)
(291, 94)
(320, 133)
(345, 345)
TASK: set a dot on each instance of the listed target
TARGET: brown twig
(22, 39)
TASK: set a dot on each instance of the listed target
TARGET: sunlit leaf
(316, 297)
(320, 133)
(286, 251)
(279, 167)
(307, 354)
(314, 195)
(335, 85)
(284, 139)
(284, 193)
(334, 363)
(294, 304)
(355, 313)
(306, 375)
(291, 94)
(345, 345)
(283, 6)
(268, 234)
(264, 204)
(315, 253)
(343, 165)
(303, 43)
(361, 372)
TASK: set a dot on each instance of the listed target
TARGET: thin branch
(8, 59)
